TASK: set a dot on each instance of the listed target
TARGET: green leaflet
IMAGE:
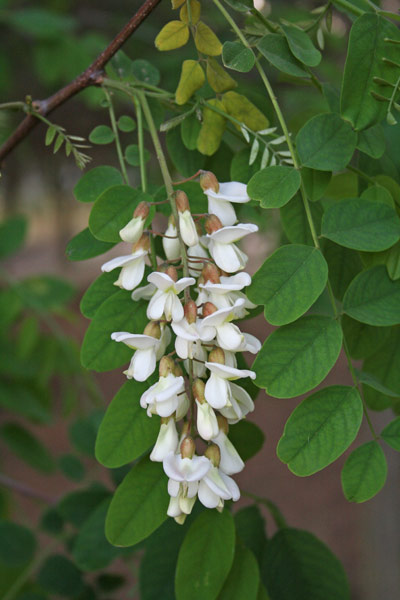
(76, 507)
(384, 365)
(113, 210)
(301, 45)
(326, 142)
(297, 357)
(119, 313)
(276, 50)
(367, 48)
(102, 134)
(364, 472)
(185, 161)
(298, 566)
(371, 141)
(93, 183)
(27, 447)
(315, 182)
(126, 431)
(289, 282)
(98, 292)
(295, 223)
(391, 434)
(361, 224)
(12, 235)
(373, 298)
(139, 505)
(17, 544)
(247, 438)
(206, 556)
(274, 186)
(244, 577)
(320, 429)
(250, 529)
(363, 340)
(84, 245)
(344, 264)
(58, 575)
(237, 57)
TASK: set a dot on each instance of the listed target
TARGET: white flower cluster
(197, 387)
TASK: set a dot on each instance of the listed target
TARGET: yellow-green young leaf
(177, 3)
(243, 110)
(192, 79)
(218, 78)
(173, 35)
(195, 10)
(212, 129)
(206, 41)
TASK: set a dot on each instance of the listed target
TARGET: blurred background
(43, 45)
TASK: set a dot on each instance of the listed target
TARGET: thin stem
(13, 106)
(350, 7)
(25, 490)
(114, 127)
(392, 97)
(361, 174)
(276, 514)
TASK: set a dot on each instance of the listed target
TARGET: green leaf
(83, 432)
(247, 438)
(326, 142)
(192, 79)
(391, 434)
(373, 298)
(297, 357)
(212, 128)
(91, 550)
(363, 340)
(240, 107)
(240, 169)
(132, 155)
(237, 57)
(27, 447)
(372, 382)
(385, 363)
(46, 292)
(17, 544)
(96, 181)
(59, 575)
(144, 71)
(295, 223)
(126, 124)
(250, 528)
(186, 162)
(276, 50)
(289, 282)
(102, 134)
(126, 431)
(361, 224)
(301, 45)
(218, 78)
(344, 264)
(98, 292)
(206, 556)
(84, 245)
(23, 400)
(113, 210)
(367, 48)
(244, 577)
(274, 186)
(119, 313)
(377, 193)
(320, 429)
(315, 182)
(139, 505)
(241, 5)
(206, 41)
(364, 472)
(76, 507)
(372, 141)
(174, 34)
(72, 467)
(190, 129)
(12, 235)
(298, 566)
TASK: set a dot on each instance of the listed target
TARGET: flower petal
(222, 209)
(160, 280)
(217, 391)
(232, 233)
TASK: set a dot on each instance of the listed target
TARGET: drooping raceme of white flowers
(191, 312)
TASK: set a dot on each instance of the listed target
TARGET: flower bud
(142, 244)
(213, 454)
(185, 430)
(181, 201)
(172, 272)
(208, 181)
(153, 329)
(188, 447)
(198, 388)
(178, 371)
(217, 355)
(142, 210)
(212, 224)
(190, 311)
(167, 366)
(210, 273)
(208, 309)
(223, 424)
(170, 242)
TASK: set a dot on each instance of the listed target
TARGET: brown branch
(91, 76)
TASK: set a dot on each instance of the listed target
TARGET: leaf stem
(116, 135)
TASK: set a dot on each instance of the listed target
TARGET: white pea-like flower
(219, 203)
(229, 336)
(225, 293)
(170, 241)
(132, 269)
(207, 424)
(216, 487)
(221, 245)
(167, 440)
(240, 404)
(165, 301)
(218, 391)
(230, 462)
(162, 397)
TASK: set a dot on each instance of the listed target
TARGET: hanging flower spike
(162, 397)
(230, 462)
(149, 346)
(132, 265)
(215, 486)
(133, 231)
(187, 228)
(185, 470)
(170, 242)
(167, 440)
(220, 196)
(220, 241)
(224, 291)
(218, 390)
(165, 301)
(207, 424)
(228, 335)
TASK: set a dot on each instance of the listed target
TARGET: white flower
(149, 349)
(132, 269)
(145, 292)
(218, 390)
(162, 397)
(219, 203)
(187, 228)
(241, 404)
(189, 333)
(132, 232)
(207, 424)
(230, 460)
(197, 252)
(188, 470)
(200, 354)
(215, 487)
(223, 250)
(171, 243)
(229, 336)
(165, 300)
(167, 441)
(250, 344)
(226, 292)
